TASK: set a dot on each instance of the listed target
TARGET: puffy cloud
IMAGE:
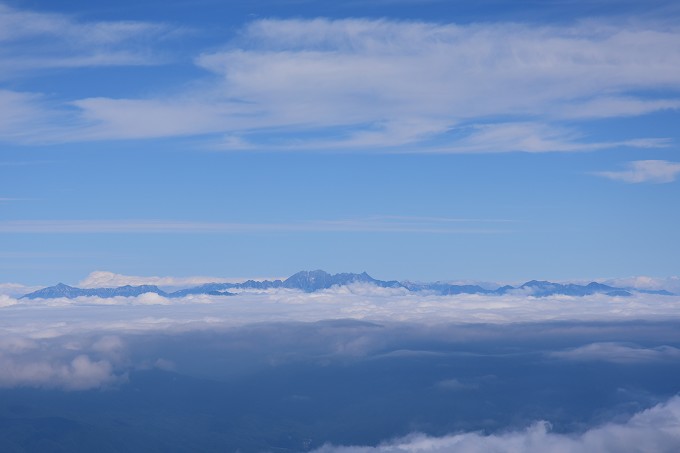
(618, 353)
(654, 171)
(80, 373)
(656, 429)
(59, 359)
(6, 301)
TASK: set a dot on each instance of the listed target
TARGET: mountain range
(311, 281)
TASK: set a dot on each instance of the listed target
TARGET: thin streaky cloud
(22, 163)
(641, 171)
(165, 226)
(315, 77)
(437, 219)
(618, 353)
(35, 40)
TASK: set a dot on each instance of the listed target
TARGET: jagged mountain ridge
(71, 292)
(311, 281)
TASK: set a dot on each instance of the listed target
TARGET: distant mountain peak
(316, 280)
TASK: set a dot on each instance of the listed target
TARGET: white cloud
(534, 138)
(34, 40)
(57, 359)
(656, 429)
(23, 115)
(80, 373)
(387, 85)
(6, 301)
(654, 171)
(671, 284)
(360, 302)
(104, 279)
(612, 106)
(44, 337)
(371, 224)
(399, 76)
(618, 353)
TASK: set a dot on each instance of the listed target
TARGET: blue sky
(424, 140)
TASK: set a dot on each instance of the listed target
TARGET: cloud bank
(656, 429)
(361, 302)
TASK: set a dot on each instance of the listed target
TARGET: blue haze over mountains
(311, 281)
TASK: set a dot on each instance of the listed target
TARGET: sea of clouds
(91, 343)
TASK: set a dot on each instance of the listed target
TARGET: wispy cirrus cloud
(384, 224)
(640, 171)
(32, 40)
(395, 86)
(535, 137)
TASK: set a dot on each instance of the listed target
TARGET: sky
(422, 140)
(178, 142)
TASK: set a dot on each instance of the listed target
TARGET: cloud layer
(656, 429)
(362, 83)
(358, 84)
(363, 302)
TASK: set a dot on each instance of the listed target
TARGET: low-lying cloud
(80, 373)
(656, 429)
(619, 353)
(370, 302)
(60, 361)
